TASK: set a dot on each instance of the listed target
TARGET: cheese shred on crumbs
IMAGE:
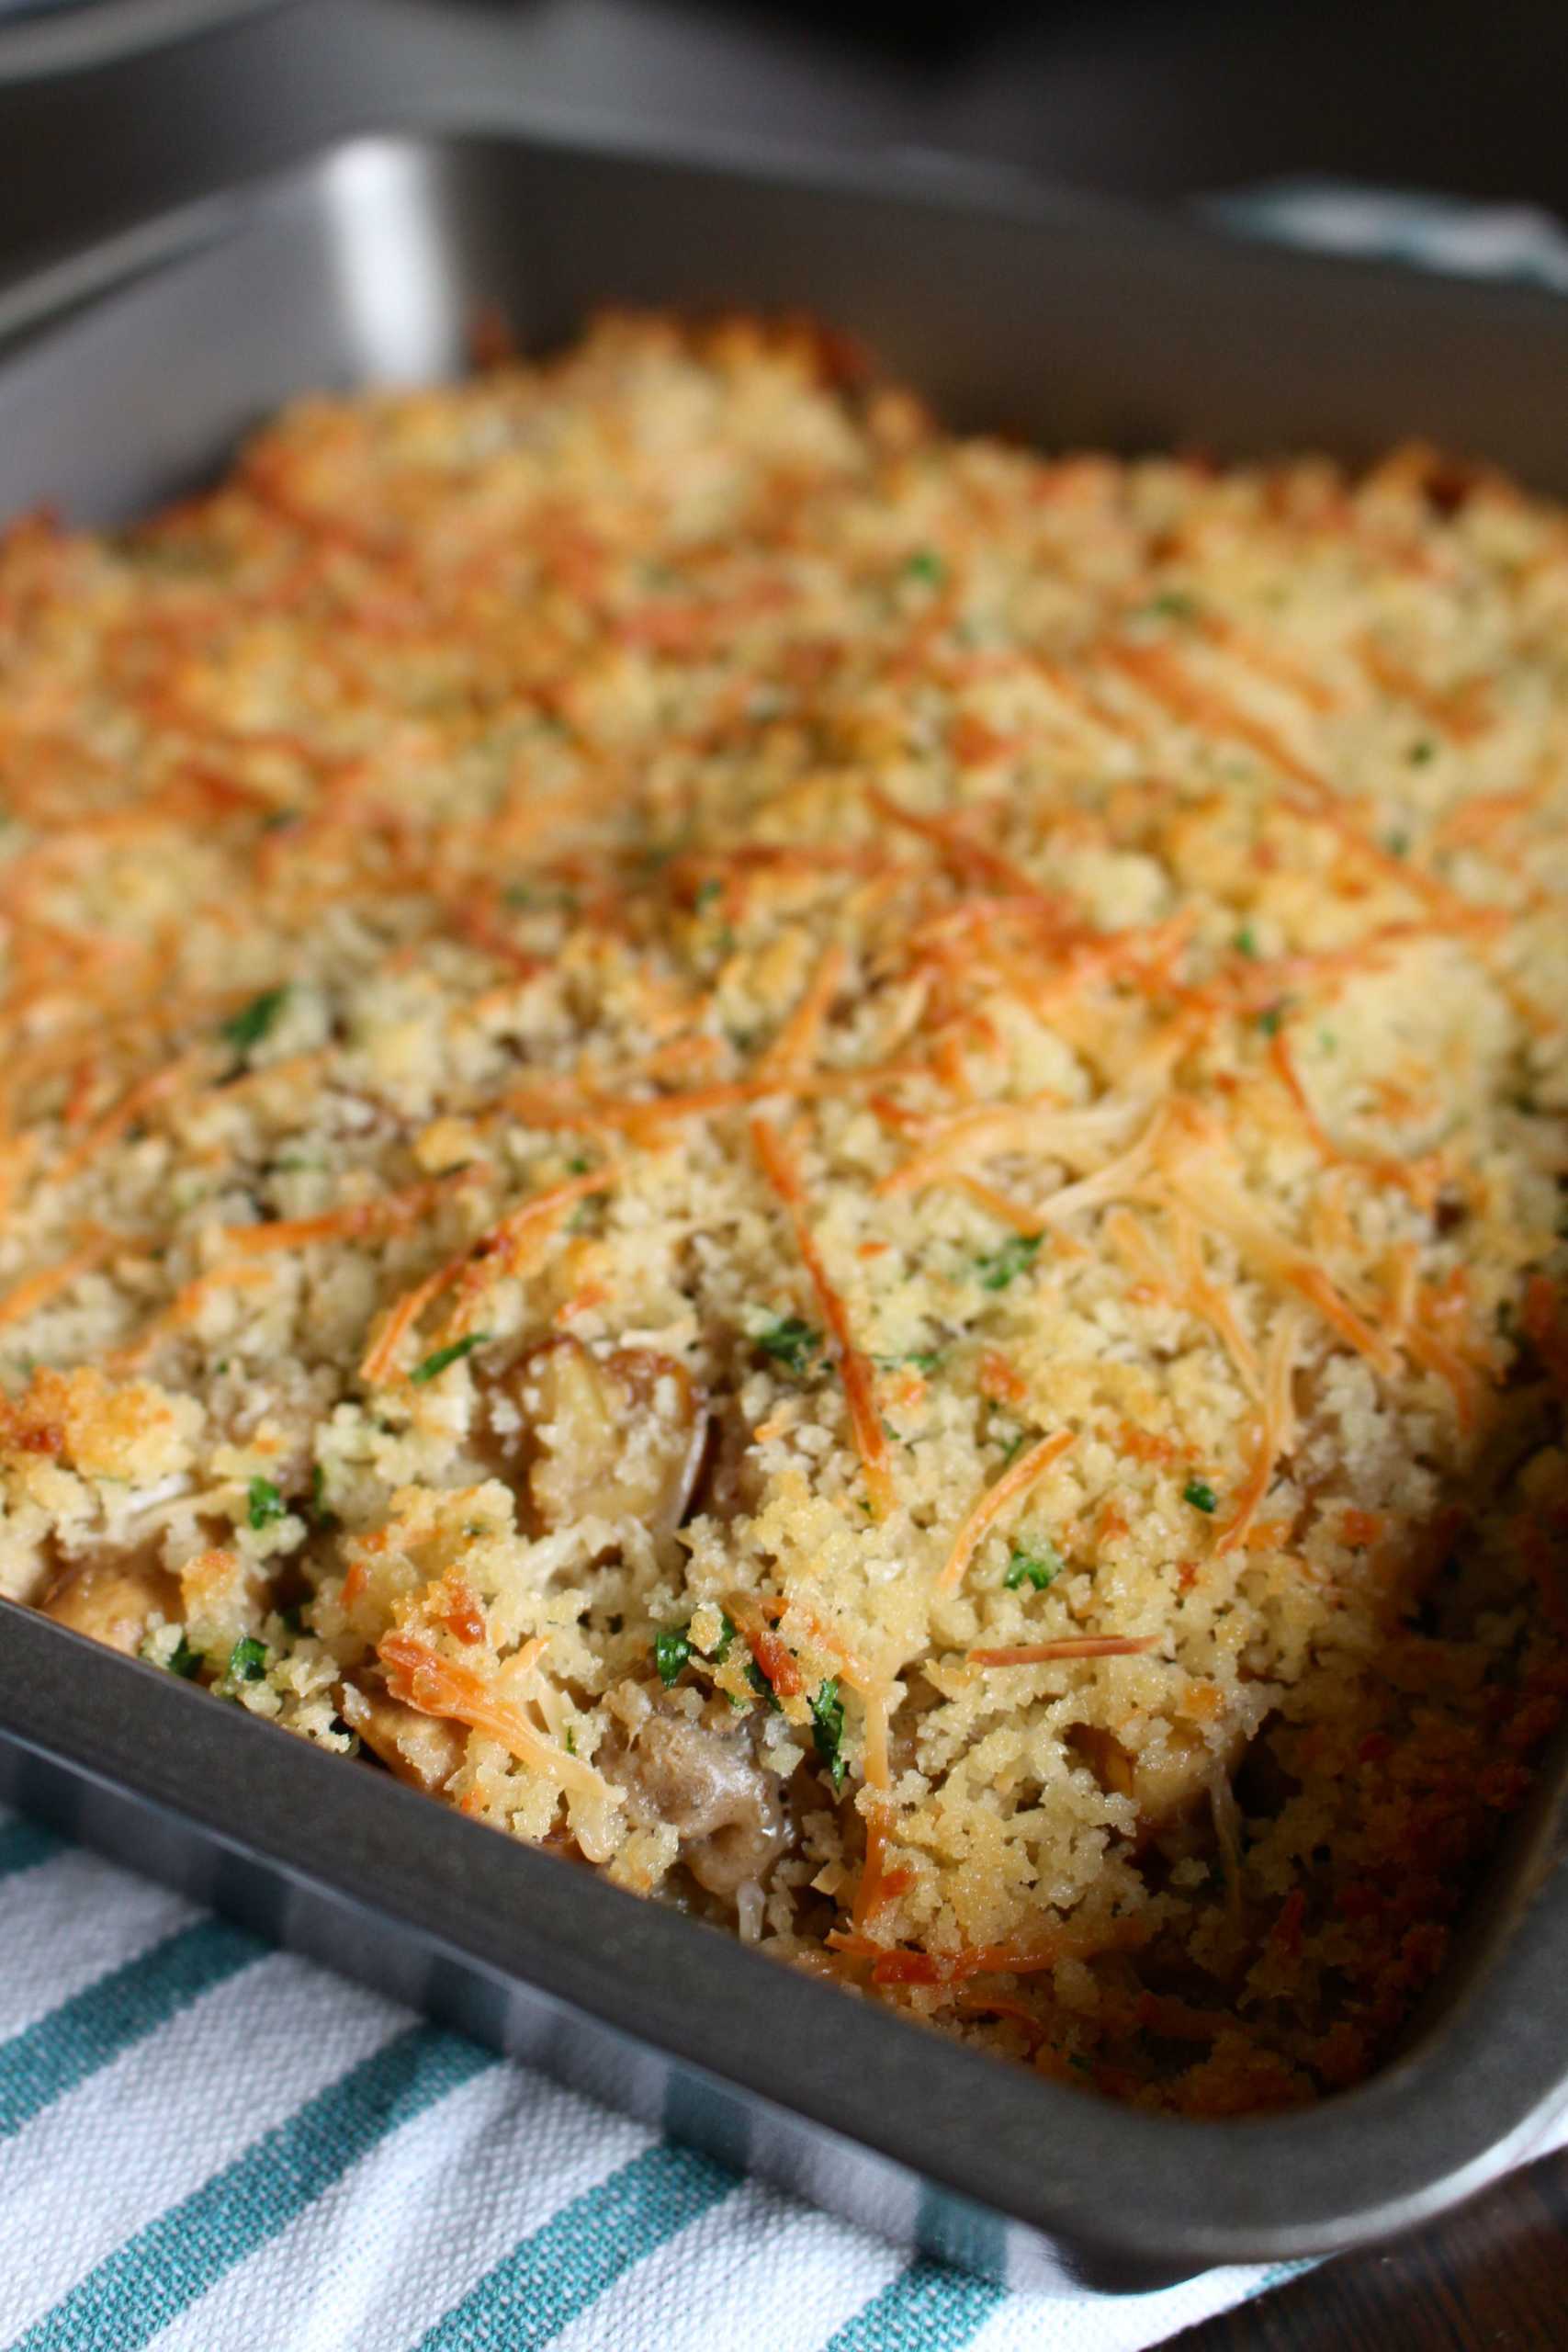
(821, 1163)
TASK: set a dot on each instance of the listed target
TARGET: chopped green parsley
(322, 1516)
(267, 1504)
(436, 1363)
(791, 1342)
(762, 1687)
(1038, 1566)
(247, 1659)
(672, 1653)
(251, 1024)
(926, 565)
(827, 1730)
(1201, 1494)
(184, 1661)
(999, 1267)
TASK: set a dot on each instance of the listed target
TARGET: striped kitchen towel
(212, 2147)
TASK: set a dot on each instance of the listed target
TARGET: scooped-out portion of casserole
(820, 1162)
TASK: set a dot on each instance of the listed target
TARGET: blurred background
(109, 110)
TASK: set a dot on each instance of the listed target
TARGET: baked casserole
(823, 1163)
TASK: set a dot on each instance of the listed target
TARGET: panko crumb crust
(822, 1162)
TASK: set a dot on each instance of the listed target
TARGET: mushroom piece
(709, 1788)
(732, 1474)
(112, 1597)
(424, 1750)
(615, 1437)
(1167, 1783)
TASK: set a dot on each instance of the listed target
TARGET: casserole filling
(823, 1163)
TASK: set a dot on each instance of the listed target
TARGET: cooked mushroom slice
(618, 1438)
(710, 1789)
(1168, 1781)
(732, 1473)
(113, 1598)
(665, 1389)
(424, 1750)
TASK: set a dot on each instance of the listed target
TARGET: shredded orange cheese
(853, 1368)
(423, 1679)
(1030, 1466)
(1071, 1645)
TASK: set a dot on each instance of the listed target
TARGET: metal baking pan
(42, 38)
(126, 377)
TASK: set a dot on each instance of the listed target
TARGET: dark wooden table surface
(1491, 2277)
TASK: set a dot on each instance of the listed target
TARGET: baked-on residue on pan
(822, 1162)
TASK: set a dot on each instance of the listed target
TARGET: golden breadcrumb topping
(822, 1162)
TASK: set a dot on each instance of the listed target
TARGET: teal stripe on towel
(147, 2282)
(23, 1845)
(555, 2273)
(52, 2055)
(928, 2308)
